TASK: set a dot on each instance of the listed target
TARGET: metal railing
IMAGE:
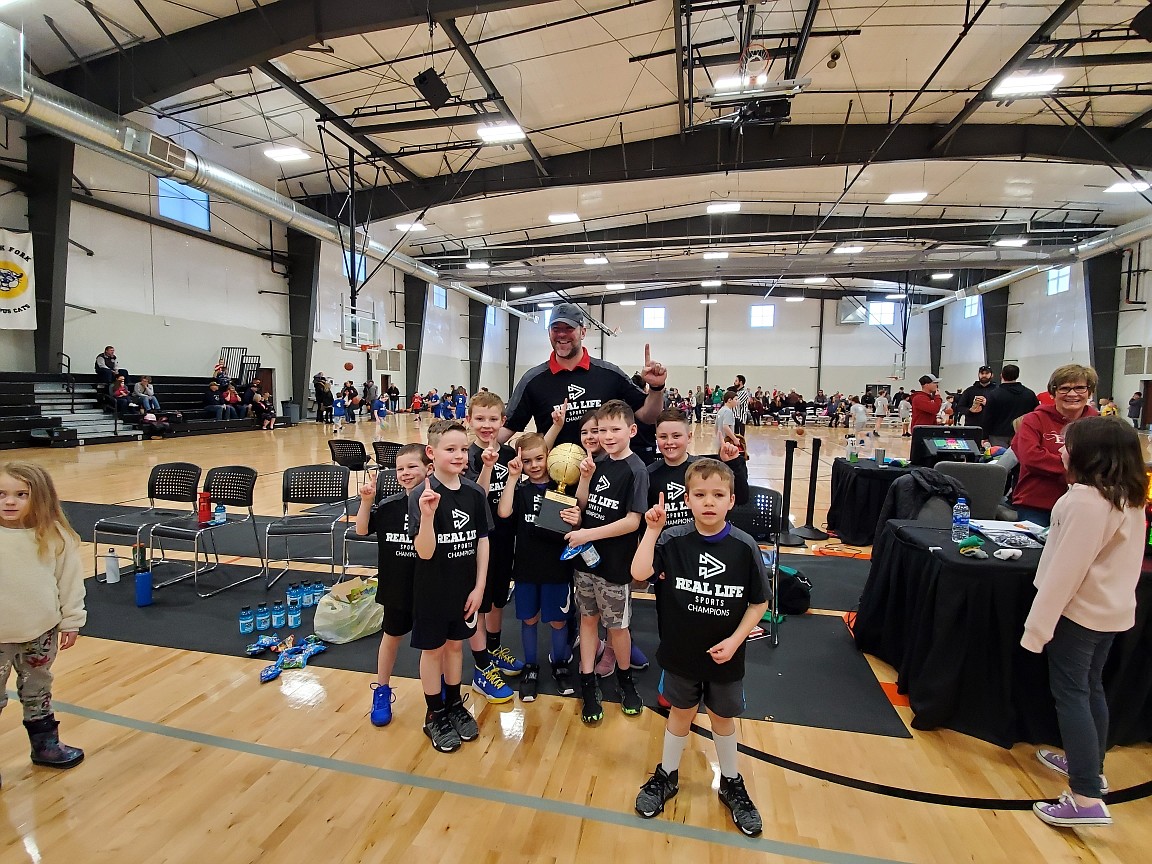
(69, 378)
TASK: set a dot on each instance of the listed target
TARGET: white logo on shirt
(500, 470)
(674, 491)
(575, 392)
(603, 484)
(710, 566)
(460, 519)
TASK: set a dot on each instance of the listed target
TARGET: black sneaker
(562, 675)
(734, 796)
(630, 701)
(592, 711)
(660, 788)
(529, 682)
(463, 722)
(441, 732)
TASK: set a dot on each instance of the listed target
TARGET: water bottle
(318, 591)
(960, 517)
(292, 594)
(144, 589)
(279, 616)
(111, 567)
(306, 598)
(294, 610)
(220, 516)
(263, 618)
(247, 620)
(853, 452)
(590, 555)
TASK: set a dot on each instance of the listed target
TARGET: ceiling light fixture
(627, 302)
(940, 277)
(893, 296)
(616, 286)
(711, 283)
(1015, 242)
(501, 133)
(286, 154)
(905, 197)
(410, 226)
(848, 250)
(598, 259)
(561, 218)
(715, 256)
(518, 289)
(708, 300)
(1027, 85)
(1128, 186)
(744, 88)
(793, 299)
(816, 280)
(546, 305)
(724, 207)
(476, 265)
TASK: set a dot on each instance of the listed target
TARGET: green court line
(497, 796)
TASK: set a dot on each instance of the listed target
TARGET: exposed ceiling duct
(34, 101)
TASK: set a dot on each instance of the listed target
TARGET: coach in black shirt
(571, 375)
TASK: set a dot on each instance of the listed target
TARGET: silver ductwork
(35, 102)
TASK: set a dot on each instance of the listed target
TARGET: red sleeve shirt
(925, 407)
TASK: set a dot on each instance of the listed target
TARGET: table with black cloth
(951, 628)
(858, 492)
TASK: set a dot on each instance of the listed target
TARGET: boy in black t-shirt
(613, 493)
(449, 522)
(388, 520)
(488, 468)
(711, 591)
(543, 581)
(673, 435)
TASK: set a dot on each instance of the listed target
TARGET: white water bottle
(111, 567)
(960, 517)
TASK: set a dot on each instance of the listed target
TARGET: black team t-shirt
(502, 539)
(537, 550)
(443, 583)
(619, 487)
(708, 585)
(397, 555)
(669, 479)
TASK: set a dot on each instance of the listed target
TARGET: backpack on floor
(795, 591)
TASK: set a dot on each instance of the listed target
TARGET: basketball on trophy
(564, 464)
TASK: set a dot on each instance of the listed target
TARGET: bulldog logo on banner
(17, 290)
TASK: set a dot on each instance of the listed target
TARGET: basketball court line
(497, 796)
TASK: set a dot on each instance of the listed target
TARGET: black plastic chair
(315, 485)
(170, 481)
(386, 485)
(385, 452)
(232, 486)
(353, 456)
(761, 516)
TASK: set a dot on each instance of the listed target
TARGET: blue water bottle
(318, 591)
(278, 615)
(293, 607)
(144, 588)
(247, 620)
(306, 599)
(220, 516)
(263, 618)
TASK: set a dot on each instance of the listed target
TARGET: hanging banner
(17, 288)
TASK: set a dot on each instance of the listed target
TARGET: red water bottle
(203, 507)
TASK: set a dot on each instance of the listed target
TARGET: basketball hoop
(369, 348)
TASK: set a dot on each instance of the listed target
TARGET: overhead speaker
(1142, 23)
(432, 88)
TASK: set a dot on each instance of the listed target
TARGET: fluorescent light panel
(1128, 186)
(562, 218)
(546, 305)
(286, 154)
(627, 302)
(848, 250)
(501, 133)
(1027, 85)
(715, 256)
(940, 277)
(1014, 242)
(905, 197)
(793, 299)
(711, 283)
(598, 259)
(724, 207)
(708, 300)
(518, 289)
(410, 226)
(477, 265)
(816, 280)
(616, 286)
(893, 296)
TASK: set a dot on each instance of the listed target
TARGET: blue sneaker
(505, 662)
(382, 697)
(488, 683)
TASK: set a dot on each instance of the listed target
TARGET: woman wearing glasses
(1041, 435)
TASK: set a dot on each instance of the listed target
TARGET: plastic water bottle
(853, 452)
(960, 517)
(294, 609)
(263, 618)
(292, 594)
(306, 599)
(279, 616)
(247, 620)
(220, 516)
(144, 589)
(111, 567)
(318, 591)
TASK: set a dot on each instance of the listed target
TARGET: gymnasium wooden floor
(189, 759)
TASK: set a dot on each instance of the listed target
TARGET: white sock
(673, 749)
(726, 754)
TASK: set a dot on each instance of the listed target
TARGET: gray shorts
(597, 596)
(722, 699)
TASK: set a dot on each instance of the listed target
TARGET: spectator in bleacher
(253, 389)
(122, 395)
(393, 398)
(108, 367)
(215, 405)
(220, 373)
(232, 397)
(145, 394)
(262, 408)
(370, 394)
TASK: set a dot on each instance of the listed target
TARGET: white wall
(962, 346)
(444, 344)
(1046, 331)
(494, 369)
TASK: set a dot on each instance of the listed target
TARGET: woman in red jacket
(1041, 435)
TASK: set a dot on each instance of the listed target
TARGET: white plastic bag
(348, 611)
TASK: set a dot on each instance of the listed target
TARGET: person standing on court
(926, 402)
(743, 397)
(1136, 408)
(1005, 404)
(571, 376)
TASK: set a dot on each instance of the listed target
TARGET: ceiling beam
(326, 115)
(493, 93)
(427, 123)
(1087, 61)
(805, 31)
(711, 149)
(1041, 35)
(161, 68)
(1133, 125)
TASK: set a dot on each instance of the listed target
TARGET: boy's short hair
(671, 415)
(414, 450)
(441, 428)
(532, 441)
(704, 469)
(616, 409)
(730, 395)
(594, 414)
(485, 399)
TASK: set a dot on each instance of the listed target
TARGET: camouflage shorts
(597, 596)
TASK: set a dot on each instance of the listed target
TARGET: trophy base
(549, 516)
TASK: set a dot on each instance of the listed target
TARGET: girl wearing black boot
(40, 565)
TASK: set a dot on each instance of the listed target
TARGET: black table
(858, 492)
(951, 627)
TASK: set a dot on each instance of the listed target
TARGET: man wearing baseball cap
(970, 405)
(926, 402)
(571, 376)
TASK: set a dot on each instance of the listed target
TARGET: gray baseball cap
(567, 313)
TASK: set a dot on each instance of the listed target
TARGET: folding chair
(170, 481)
(307, 484)
(386, 485)
(353, 456)
(385, 452)
(761, 515)
(232, 486)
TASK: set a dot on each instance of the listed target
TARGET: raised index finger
(647, 353)
(661, 499)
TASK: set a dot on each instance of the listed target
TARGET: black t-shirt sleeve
(414, 511)
(519, 410)
(658, 564)
(638, 495)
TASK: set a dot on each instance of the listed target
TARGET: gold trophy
(563, 467)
